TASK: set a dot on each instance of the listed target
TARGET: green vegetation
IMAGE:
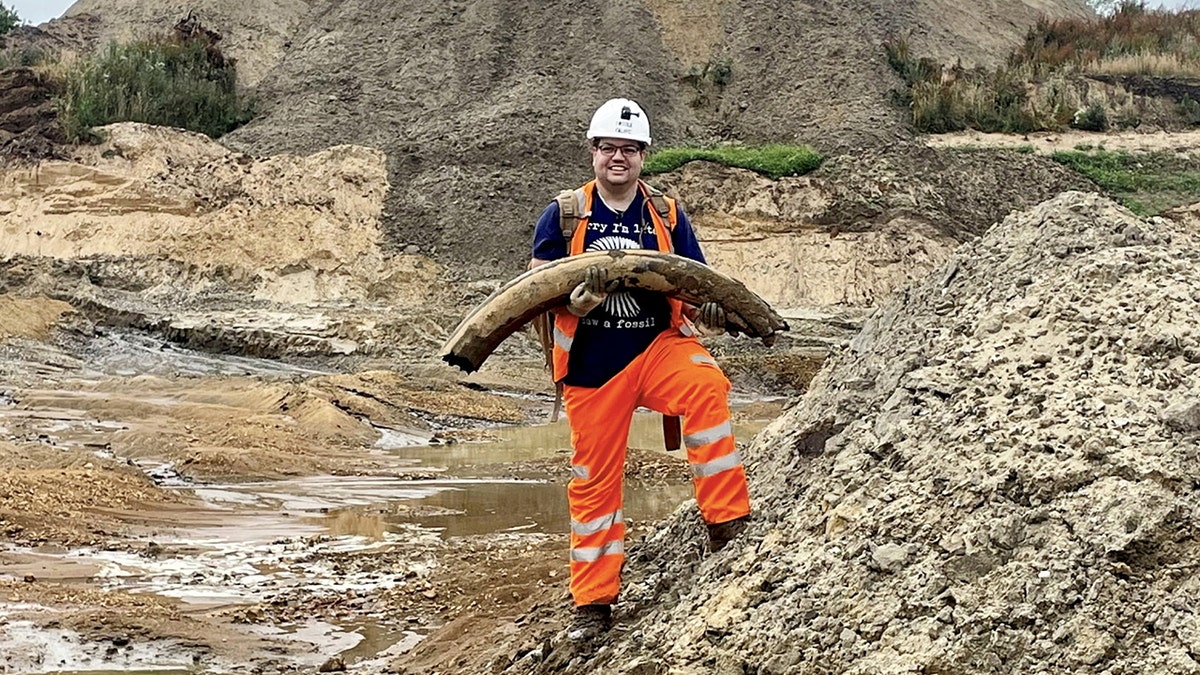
(944, 99)
(1092, 118)
(8, 19)
(773, 161)
(28, 57)
(709, 80)
(1133, 40)
(1034, 90)
(166, 81)
(1147, 183)
(1189, 110)
(720, 72)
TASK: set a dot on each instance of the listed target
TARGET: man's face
(617, 161)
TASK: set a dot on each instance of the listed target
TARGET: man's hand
(592, 291)
(710, 319)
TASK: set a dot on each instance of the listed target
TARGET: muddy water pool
(247, 544)
(255, 541)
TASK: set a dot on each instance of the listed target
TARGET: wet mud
(363, 537)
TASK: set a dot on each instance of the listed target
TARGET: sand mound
(286, 227)
(32, 318)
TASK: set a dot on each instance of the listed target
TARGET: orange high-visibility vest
(566, 323)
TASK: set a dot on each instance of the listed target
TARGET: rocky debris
(1183, 416)
(996, 476)
(335, 664)
(46, 493)
(29, 129)
(75, 33)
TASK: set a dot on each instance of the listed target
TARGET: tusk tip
(460, 362)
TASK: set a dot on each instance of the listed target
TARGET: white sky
(1175, 4)
(38, 11)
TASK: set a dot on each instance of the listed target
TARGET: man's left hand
(710, 319)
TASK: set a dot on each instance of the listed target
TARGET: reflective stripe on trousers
(674, 376)
(591, 555)
(599, 524)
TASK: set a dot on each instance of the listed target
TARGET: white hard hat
(620, 118)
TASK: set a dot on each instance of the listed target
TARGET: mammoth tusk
(542, 288)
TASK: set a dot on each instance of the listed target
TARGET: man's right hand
(592, 291)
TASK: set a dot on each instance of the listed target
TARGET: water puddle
(135, 670)
(255, 542)
(60, 428)
(126, 353)
(488, 505)
(265, 537)
(32, 648)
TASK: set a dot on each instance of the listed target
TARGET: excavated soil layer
(482, 107)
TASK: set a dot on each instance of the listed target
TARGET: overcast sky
(38, 11)
(41, 11)
(1175, 4)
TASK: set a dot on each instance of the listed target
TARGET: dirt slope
(997, 476)
(156, 192)
(257, 34)
(976, 32)
(863, 225)
(480, 106)
(171, 233)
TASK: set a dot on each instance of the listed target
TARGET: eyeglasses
(626, 150)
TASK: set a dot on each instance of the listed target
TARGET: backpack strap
(570, 211)
(663, 205)
(543, 330)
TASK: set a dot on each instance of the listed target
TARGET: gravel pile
(997, 476)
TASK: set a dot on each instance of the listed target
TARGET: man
(616, 351)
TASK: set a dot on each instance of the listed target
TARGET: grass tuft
(9, 19)
(1033, 90)
(1148, 183)
(26, 57)
(166, 82)
(773, 161)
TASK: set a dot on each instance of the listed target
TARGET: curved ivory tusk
(547, 286)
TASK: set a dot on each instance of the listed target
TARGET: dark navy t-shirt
(614, 333)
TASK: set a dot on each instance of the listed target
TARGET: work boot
(720, 534)
(590, 622)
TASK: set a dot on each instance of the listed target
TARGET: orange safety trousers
(675, 376)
